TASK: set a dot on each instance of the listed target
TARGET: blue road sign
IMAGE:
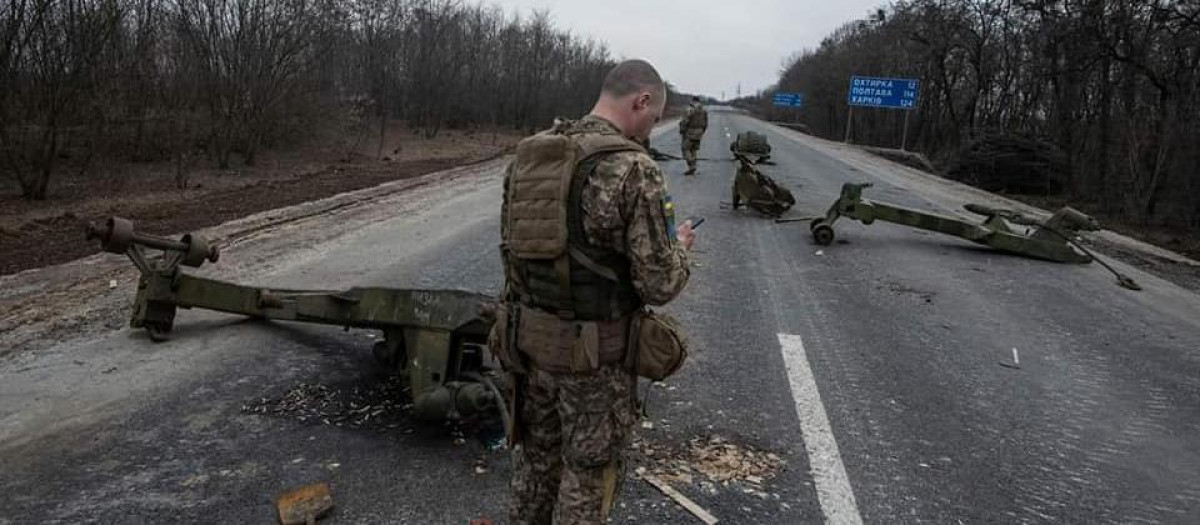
(875, 92)
(789, 100)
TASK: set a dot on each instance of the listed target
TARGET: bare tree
(1114, 84)
(94, 81)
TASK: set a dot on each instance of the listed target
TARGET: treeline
(1114, 84)
(87, 81)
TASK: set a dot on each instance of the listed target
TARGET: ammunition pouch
(658, 345)
(502, 339)
(562, 346)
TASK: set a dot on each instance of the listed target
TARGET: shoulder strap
(595, 144)
(589, 146)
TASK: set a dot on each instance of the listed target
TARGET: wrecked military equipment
(751, 143)
(756, 190)
(437, 338)
(1050, 239)
(751, 186)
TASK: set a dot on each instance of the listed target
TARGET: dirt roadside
(40, 234)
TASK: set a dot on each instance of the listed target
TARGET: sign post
(878, 92)
(789, 100)
(792, 100)
(849, 119)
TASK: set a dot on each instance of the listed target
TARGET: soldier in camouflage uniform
(574, 399)
(691, 130)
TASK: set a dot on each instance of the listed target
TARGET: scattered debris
(1016, 364)
(382, 405)
(712, 460)
(194, 480)
(682, 500)
(899, 289)
(304, 505)
(481, 465)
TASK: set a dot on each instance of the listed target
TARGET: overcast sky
(704, 46)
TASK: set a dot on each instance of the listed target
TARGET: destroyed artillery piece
(752, 187)
(1051, 239)
(437, 337)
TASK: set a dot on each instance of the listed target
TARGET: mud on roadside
(39, 234)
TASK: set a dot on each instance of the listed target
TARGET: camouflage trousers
(568, 465)
(690, 147)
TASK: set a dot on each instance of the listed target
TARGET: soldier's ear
(642, 101)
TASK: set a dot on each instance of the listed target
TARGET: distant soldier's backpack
(699, 118)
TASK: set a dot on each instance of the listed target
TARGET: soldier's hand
(685, 234)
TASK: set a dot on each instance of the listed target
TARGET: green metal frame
(1048, 240)
(437, 337)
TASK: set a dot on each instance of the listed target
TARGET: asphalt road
(900, 376)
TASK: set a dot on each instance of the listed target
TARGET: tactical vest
(549, 263)
(696, 122)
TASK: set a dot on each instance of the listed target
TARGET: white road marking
(1016, 358)
(833, 486)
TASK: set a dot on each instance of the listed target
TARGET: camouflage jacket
(624, 209)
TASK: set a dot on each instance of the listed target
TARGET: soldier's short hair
(632, 76)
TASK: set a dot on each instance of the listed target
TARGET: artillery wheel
(198, 251)
(822, 232)
(118, 235)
